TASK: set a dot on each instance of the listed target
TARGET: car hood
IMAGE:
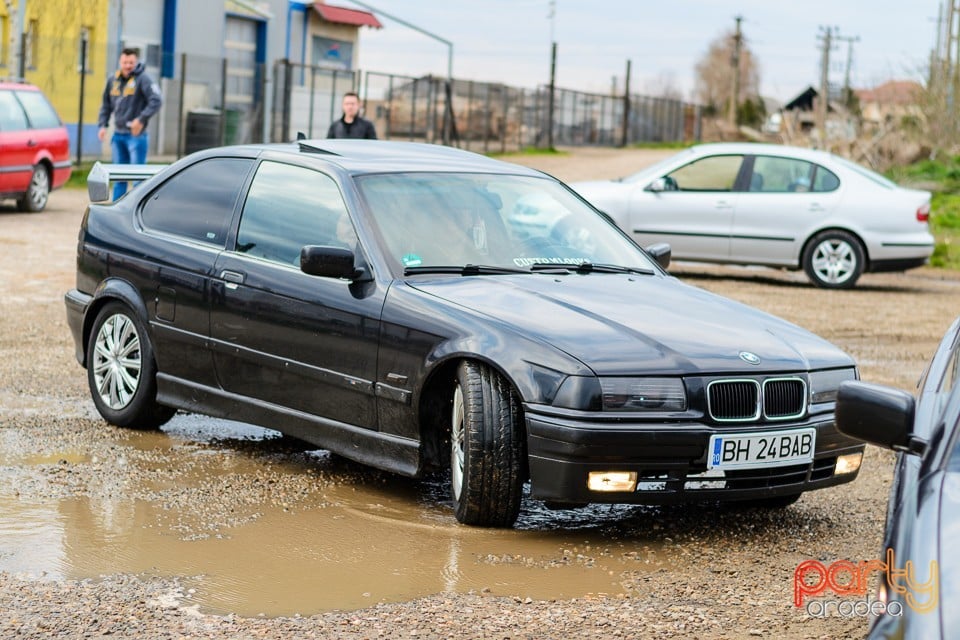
(621, 325)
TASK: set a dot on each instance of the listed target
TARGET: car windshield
(498, 221)
(658, 169)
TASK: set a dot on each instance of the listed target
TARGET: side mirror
(666, 183)
(661, 253)
(880, 415)
(329, 262)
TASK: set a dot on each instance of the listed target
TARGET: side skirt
(380, 450)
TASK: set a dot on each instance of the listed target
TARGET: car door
(281, 336)
(17, 145)
(785, 199)
(693, 210)
(184, 221)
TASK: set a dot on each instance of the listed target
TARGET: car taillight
(923, 213)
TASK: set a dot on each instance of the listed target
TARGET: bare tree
(714, 73)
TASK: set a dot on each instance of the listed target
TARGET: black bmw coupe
(415, 307)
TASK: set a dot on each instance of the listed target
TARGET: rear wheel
(122, 372)
(834, 259)
(486, 448)
(35, 199)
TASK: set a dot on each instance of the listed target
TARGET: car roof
(20, 86)
(375, 156)
(759, 148)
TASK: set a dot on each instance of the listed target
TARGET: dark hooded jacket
(129, 98)
(359, 128)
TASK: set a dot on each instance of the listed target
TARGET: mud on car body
(378, 300)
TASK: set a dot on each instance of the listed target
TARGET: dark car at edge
(376, 299)
(920, 573)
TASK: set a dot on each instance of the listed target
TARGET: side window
(39, 111)
(825, 180)
(12, 117)
(198, 202)
(289, 207)
(716, 173)
(780, 175)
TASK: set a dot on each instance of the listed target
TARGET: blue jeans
(128, 149)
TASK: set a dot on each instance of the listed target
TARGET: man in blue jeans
(132, 97)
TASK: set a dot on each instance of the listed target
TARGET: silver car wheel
(39, 189)
(457, 444)
(834, 261)
(116, 361)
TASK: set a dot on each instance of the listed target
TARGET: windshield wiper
(590, 267)
(464, 270)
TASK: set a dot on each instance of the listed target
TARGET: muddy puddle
(256, 524)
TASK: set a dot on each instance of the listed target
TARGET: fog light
(848, 463)
(612, 480)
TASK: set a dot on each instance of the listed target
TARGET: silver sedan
(772, 205)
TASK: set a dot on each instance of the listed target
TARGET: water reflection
(261, 525)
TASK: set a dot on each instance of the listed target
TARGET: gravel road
(726, 573)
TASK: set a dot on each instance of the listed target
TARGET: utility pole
(826, 37)
(16, 10)
(735, 64)
(847, 90)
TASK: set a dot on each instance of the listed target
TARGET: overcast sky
(509, 40)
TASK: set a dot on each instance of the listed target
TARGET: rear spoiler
(101, 175)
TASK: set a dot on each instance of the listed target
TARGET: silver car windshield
(506, 221)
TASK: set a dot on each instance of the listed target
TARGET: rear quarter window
(40, 112)
(12, 117)
(198, 202)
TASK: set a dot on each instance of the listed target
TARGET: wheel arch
(112, 290)
(435, 405)
(813, 234)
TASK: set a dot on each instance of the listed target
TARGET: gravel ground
(728, 573)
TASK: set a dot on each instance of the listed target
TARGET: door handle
(31, 143)
(232, 278)
(723, 204)
(816, 206)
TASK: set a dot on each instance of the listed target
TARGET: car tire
(122, 371)
(834, 259)
(486, 447)
(38, 191)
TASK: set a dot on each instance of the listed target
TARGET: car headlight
(643, 394)
(824, 384)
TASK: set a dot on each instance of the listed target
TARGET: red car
(34, 146)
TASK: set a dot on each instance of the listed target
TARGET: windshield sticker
(526, 262)
(411, 260)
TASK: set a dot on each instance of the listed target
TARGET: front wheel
(486, 448)
(834, 260)
(122, 372)
(35, 199)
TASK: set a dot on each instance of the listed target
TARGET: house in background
(214, 61)
(54, 35)
(890, 102)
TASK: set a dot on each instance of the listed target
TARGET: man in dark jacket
(132, 97)
(351, 125)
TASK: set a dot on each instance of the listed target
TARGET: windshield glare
(433, 219)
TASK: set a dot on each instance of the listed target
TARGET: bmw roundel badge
(749, 358)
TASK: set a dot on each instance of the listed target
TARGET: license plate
(756, 450)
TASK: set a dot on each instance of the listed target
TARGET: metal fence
(213, 101)
(479, 116)
(210, 104)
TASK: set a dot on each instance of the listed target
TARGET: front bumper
(670, 461)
